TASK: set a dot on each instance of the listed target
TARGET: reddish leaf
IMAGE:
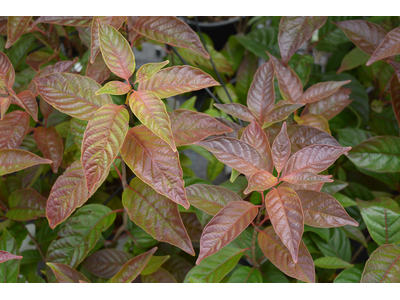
(51, 144)
(156, 214)
(13, 128)
(147, 71)
(236, 110)
(172, 31)
(26, 204)
(13, 160)
(189, 127)
(312, 120)
(98, 70)
(390, 46)
(322, 90)
(294, 32)
(281, 111)
(261, 95)
(4, 104)
(15, 28)
(302, 178)
(151, 111)
(106, 263)
(154, 162)
(177, 80)
(27, 101)
(281, 149)
(192, 225)
(395, 91)
(225, 226)
(289, 83)
(45, 108)
(5, 256)
(323, 210)
(7, 74)
(102, 141)
(38, 58)
(159, 276)
(114, 88)
(278, 254)
(65, 274)
(309, 187)
(66, 21)
(286, 215)
(235, 127)
(260, 181)
(210, 198)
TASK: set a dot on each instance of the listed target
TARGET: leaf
(260, 182)
(294, 32)
(38, 58)
(280, 112)
(15, 28)
(26, 204)
(378, 154)
(65, 274)
(322, 90)
(7, 74)
(177, 80)
(50, 143)
(154, 264)
(382, 217)
(355, 234)
(156, 214)
(245, 274)
(331, 263)
(261, 95)
(351, 275)
(5, 256)
(331, 242)
(152, 113)
(72, 94)
(210, 198)
(236, 110)
(27, 101)
(102, 141)
(307, 178)
(245, 73)
(216, 266)
(155, 163)
(147, 71)
(13, 128)
(312, 120)
(383, 265)
(98, 70)
(13, 160)
(278, 254)
(172, 31)
(66, 21)
(80, 234)
(114, 88)
(395, 92)
(159, 276)
(286, 215)
(77, 129)
(106, 263)
(323, 210)
(116, 51)
(9, 269)
(388, 47)
(225, 226)
(352, 60)
(4, 105)
(334, 187)
(281, 149)
(189, 127)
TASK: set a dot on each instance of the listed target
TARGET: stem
(359, 250)
(35, 242)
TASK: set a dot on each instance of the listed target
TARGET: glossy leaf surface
(50, 143)
(27, 101)
(260, 181)
(66, 21)
(26, 204)
(15, 28)
(236, 110)
(106, 263)
(13, 127)
(114, 88)
(395, 93)
(5, 256)
(389, 46)
(331, 263)
(281, 148)
(147, 71)
(65, 274)
(314, 121)
(322, 90)
(12, 160)
(7, 73)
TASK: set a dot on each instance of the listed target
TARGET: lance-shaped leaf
(80, 234)
(382, 217)
(26, 204)
(151, 111)
(390, 46)
(13, 160)
(27, 101)
(289, 83)
(78, 128)
(116, 51)
(286, 215)
(15, 28)
(225, 226)
(236, 110)
(4, 105)
(66, 21)
(350, 61)
(155, 163)
(51, 144)
(273, 248)
(102, 140)
(280, 112)
(312, 120)
(9, 269)
(172, 31)
(5, 256)
(235, 153)
(189, 127)
(98, 70)
(177, 80)
(154, 264)
(7, 74)
(260, 182)
(395, 92)
(366, 35)
(322, 90)
(314, 159)
(72, 94)
(330, 106)
(294, 32)
(13, 128)
(383, 265)
(281, 149)
(261, 95)
(378, 154)
(156, 214)
(114, 88)
(147, 71)
(65, 274)
(332, 263)
(159, 276)
(323, 210)
(38, 58)
(106, 263)
(210, 198)
(133, 267)
(302, 178)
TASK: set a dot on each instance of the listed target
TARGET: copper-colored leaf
(27, 101)
(278, 254)
(7, 74)
(192, 225)
(281, 149)
(15, 28)
(98, 70)
(159, 276)
(312, 120)
(286, 215)
(5, 256)
(13, 128)
(322, 90)
(45, 108)
(147, 71)
(156, 214)
(281, 111)
(309, 187)
(13, 160)
(177, 80)
(26, 204)
(151, 111)
(65, 274)
(4, 105)
(260, 181)
(106, 263)
(390, 46)
(323, 210)
(66, 21)
(51, 144)
(302, 178)
(236, 110)
(235, 127)
(114, 88)
(172, 31)
(102, 141)
(38, 58)
(395, 91)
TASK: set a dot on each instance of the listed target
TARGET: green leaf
(355, 233)
(336, 244)
(9, 270)
(26, 204)
(350, 137)
(147, 71)
(332, 188)
(154, 264)
(331, 263)
(344, 200)
(353, 59)
(245, 274)
(65, 274)
(189, 104)
(260, 40)
(351, 275)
